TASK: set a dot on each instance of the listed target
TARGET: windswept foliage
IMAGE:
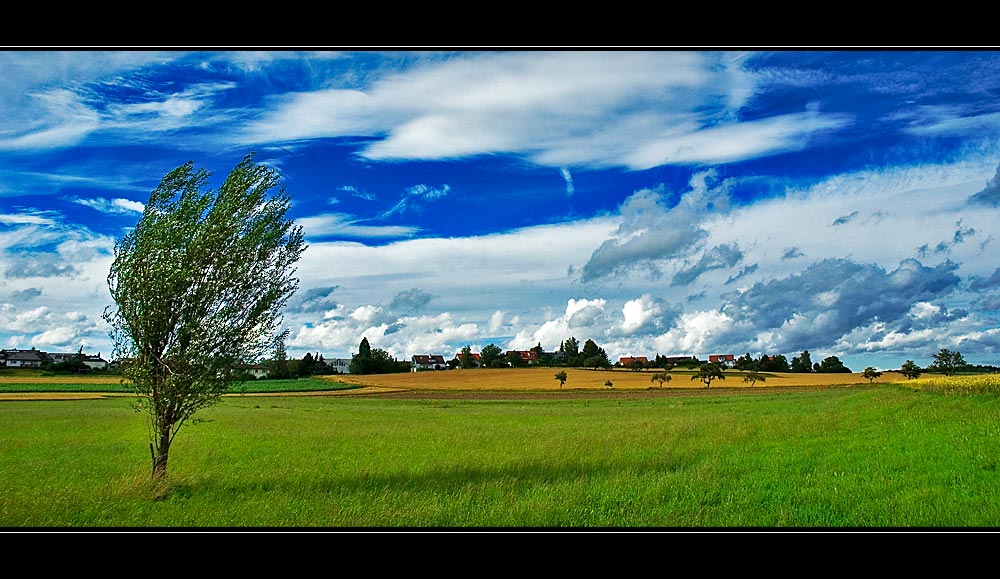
(199, 286)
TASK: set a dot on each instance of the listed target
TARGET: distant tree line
(570, 354)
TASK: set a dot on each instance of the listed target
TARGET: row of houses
(424, 362)
(37, 358)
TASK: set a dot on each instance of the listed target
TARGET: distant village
(81, 362)
(38, 359)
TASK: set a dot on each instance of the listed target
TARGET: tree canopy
(948, 362)
(910, 370)
(708, 372)
(199, 286)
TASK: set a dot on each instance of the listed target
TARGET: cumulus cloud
(647, 314)
(26, 294)
(649, 234)
(845, 218)
(719, 257)
(317, 299)
(831, 297)
(792, 253)
(39, 265)
(410, 301)
(581, 315)
(981, 283)
(990, 195)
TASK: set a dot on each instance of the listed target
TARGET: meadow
(899, 454)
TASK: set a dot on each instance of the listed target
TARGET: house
(25, 358)
(476, 360)
(95, 362)
(88, 360)
(722, 359)
(256, 370)
(339, 365)
(629, 360)
(527, 356)
(421, 362)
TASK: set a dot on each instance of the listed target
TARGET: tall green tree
(277, 366)
(361, 363)
(199, 286)
(370, 360)
(593, 356)
(948, 362)
(802, 362)
(569, 351)
(465, 359)
(832, 365)
(307, 366)
(490, 356)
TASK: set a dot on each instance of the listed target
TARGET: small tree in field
(660, 377)
(753, 376)
(910, 370)
(871, 374)
(609, 384)
(708, 372)
(199, 286)
(561, 377)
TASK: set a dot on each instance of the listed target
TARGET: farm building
(629, 360)
(527, 356)
(24, 358)
(723, 359)
(420, 362)
(476, 359)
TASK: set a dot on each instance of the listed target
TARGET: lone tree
(561, 377)
(910, 370)
(199, 286)
(948, 362)
(871, 374)
(708, 372)
(660, 377)
(753, 376)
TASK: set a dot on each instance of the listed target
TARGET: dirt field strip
(543, 379)
(477, 382)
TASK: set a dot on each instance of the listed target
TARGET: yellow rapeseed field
(576, 378)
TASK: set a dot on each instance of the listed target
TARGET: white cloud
(117, 205)
(635, 109)
(341, 224)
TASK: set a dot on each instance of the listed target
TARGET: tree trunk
(161, 454)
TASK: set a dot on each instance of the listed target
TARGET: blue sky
(667, 202)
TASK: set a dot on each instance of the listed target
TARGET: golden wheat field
(582, 379)
(24, 378)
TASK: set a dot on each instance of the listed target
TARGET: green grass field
(37, 383)
(873, 456)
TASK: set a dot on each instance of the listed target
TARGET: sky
(655, 201)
